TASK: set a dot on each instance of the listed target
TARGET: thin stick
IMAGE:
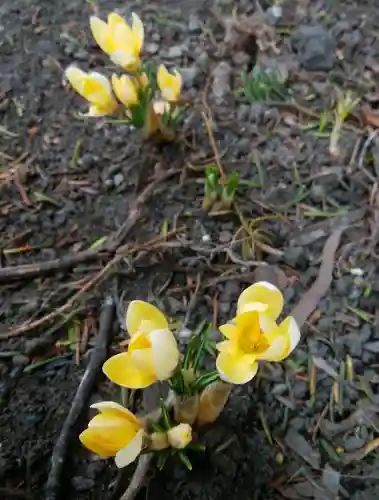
(208, 124)
(26, 271)
(85, 388)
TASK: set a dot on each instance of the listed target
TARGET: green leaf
(204, 380)
(186, 461)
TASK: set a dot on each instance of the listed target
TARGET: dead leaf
(312, 297)
(370, 116)
(299, 445)
(323, 365)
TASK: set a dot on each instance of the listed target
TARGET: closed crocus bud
(121, 41)
(186, 410)
(125, 90)
(114, 432)
(212, 401)
(95, 88)
(180, 436)
(158, 441)
(170, 84)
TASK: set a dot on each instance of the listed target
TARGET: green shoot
(264, 85)
(342, 110)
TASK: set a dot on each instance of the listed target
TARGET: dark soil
(66, 182)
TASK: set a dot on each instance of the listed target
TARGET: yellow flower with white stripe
(123, 43)
(254, 334)
(125, 90)
(170, 84)
(153, 352)
(95, 88)
(179, 436)
(114, 432)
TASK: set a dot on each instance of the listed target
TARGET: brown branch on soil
(27, 271)
(122, 253)
(31, 325)
(82, 395)
(312, 297)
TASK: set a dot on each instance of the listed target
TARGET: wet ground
(304, 429)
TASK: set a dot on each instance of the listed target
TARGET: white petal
(104, 405)
(253, 306)
(267, 285)
(122, 58)
(165, 353)
(131, 451)
(277, 350)
(294, 333)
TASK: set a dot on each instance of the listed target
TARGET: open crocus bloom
(254, 335)
(114, 432)
(153, 353)
(120, 41)
(169, 84)
(95, 88)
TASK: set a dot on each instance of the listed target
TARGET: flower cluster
(153, 355)
(130, 96)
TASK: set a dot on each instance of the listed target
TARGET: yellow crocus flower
(169, 84)
(95, 88)
(153, 353)
(125, 90)
(114, 432)
(254, 335)
(179, 436)
(121, 42)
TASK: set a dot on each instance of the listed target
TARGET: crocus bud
(179, 436)
(158, 441)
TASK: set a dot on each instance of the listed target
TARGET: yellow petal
(143, 360)
(144, 316)
(179, 436)
(228, 330)
(125, 90)
(261, 293)
(170, 85)
(113, 408)
(121, 370)
(76, 78)
(113, 432)
(92, 440)
(225, 346)
(121, 33)
(212, 401)
(130, 452)
(236, 369)
(138, 33)
(102, 34)
(163, 76)
(277, 351)
(165, 353)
